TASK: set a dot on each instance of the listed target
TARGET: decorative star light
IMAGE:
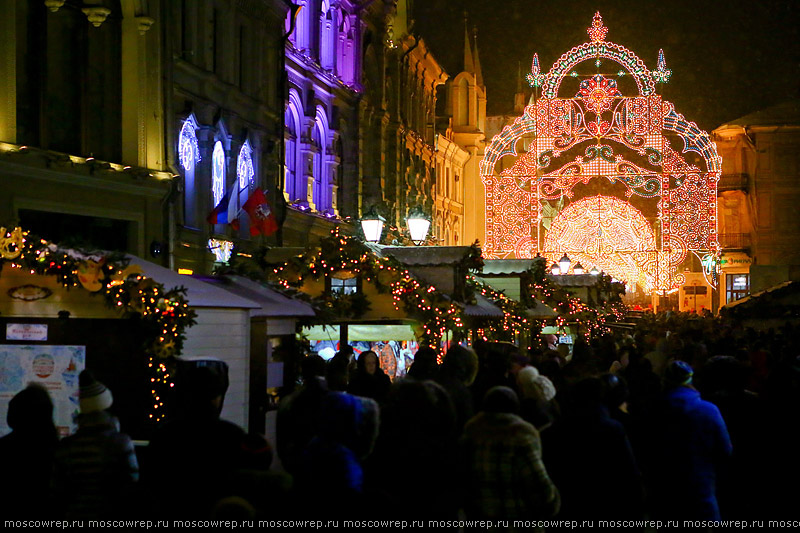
(535, 77)
(597, 32)
(661, 74)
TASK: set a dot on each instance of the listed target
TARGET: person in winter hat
(95, 468)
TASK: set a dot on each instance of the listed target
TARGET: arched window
(244, 167)
(298, 187)
(218, 172)
(319, 168)
(326, 30)
(292, 180)
(345, 58)
(302, 41)
(189, 156)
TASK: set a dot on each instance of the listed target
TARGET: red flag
(261, 218)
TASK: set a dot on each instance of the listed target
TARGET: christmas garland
(515, 315)
(435, 312)
(571, 310)
(165, 314)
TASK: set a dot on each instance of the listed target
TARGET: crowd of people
(682, 417)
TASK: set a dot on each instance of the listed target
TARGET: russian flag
(220, 213)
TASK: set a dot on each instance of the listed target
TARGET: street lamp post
(418, 225)
(564, 263)
(372, 225)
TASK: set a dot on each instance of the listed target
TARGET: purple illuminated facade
(320, 117)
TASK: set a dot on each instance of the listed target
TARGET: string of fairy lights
(164, 313)
(438, 314)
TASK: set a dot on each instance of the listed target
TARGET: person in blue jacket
(693, 446)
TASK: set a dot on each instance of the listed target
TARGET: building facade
(460, 201)
(397, 118)
(83, 158)
(322, 53)
(224, 112)
(759, 231)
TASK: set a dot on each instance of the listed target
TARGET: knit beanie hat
(93, 395)
(678, 373)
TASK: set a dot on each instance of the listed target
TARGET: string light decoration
(221, 248)
(597, 149)
(535, 77)
(218, 172)
(661, 74)
(244, 166)
(590, 317)
(164, 314)
(188, 150)
(436, 313)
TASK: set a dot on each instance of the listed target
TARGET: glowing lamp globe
(594, 271)
(418, 225)
(372, 225)
(555, 269)
(563, 263)
(577, 269)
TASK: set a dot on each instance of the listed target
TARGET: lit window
(344, 286)
(738, 286)
(218, 172)
(244, 167)
(343, 283)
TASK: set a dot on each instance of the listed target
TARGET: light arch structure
(601, 143)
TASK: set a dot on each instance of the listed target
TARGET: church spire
(478, 73)
(469, 64)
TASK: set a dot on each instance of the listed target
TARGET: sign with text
(26, 332)
(735, 259)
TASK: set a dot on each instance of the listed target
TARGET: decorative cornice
(317, 69)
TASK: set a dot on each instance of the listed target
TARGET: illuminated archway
(604, 232)
(600, 142)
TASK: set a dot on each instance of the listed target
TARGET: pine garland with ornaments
(164, 313)
(592, 315)
(436, 313)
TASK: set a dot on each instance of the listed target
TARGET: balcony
(733, 182)
(734, 241)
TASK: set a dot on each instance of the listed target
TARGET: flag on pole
(219, 215)
(262, 220)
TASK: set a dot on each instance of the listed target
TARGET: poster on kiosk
(53, 367)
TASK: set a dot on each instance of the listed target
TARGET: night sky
(728, 58)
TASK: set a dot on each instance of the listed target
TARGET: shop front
(735, 282)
